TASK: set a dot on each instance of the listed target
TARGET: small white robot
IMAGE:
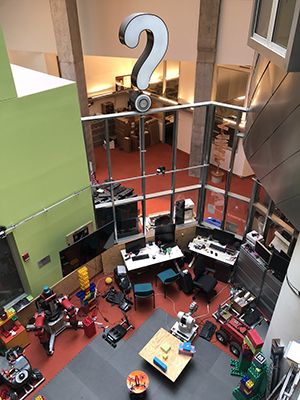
(185, 328)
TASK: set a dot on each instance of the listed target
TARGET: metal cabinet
(251, 272)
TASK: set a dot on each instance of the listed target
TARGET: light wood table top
(175, 362)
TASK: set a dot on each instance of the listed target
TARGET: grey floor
(99, 371)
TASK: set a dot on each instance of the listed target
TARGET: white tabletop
(212, 253)
(155, 257)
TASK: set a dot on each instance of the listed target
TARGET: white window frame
(286, 58)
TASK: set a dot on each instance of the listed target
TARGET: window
(10, 283)
(274, 32)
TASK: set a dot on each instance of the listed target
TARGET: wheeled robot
(55, 313)
(16, 374)
(185, 328)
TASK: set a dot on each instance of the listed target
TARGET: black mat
(99, 371)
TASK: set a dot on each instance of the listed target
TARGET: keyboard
(217, 246)
(140, 257)
(208, 330)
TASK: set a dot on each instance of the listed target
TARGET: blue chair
(167, 277)
(142, 291)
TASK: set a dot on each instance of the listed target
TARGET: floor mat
(99, 371)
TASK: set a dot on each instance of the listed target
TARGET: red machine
(55, 313)
(233, 332)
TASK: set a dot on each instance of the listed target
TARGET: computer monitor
(262, 251)
(165, 234)
(203, 231)
(87, 248)
(279, 265)
(163, 220)
(135, 245)
(223, 237)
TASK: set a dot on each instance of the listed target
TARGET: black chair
(202, 281)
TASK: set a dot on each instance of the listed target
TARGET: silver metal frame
(204, 165)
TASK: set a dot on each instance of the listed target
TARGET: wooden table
(175, 362)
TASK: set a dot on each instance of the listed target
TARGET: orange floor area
(69, 343)
(125, 165)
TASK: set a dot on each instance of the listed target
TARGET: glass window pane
(283, 22)
(10, 283)
(258, 222)
(263, 17)
(186, 206)
(214, 205)
(236, 217)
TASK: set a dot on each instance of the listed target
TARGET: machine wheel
(36, 374)
(222, 336)
(50, 353)
(235, 348)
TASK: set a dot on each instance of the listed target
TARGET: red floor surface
(69, 343)
(126, 165)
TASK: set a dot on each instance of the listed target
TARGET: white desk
(155, 257)
(212, 253)
(220, 262)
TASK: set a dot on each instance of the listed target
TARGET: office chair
(143, 291)
(202, 281)
(167, 277)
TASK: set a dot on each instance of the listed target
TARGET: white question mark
(156, 47)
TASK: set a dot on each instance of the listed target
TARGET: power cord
(292, 287)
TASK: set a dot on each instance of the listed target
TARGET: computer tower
(179, 212)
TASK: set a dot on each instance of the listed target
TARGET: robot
(16, 373)
(55, 313)
(185, 328)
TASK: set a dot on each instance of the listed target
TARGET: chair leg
(134, 300)
(153, 300)
(165, 291)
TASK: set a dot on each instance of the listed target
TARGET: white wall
(100, 72)
(100, 22)
(187, 76)
(185, 125)
(285, 322)
(27, 25)
(31, 60)
(233, 33)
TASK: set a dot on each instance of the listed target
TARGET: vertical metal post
(142, 166)
(207, 140)
(230, 169)
(253, 200)
(268, 219)
(174, 154)
(110, 179)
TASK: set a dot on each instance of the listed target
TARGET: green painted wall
(7, 87)
(43, 161)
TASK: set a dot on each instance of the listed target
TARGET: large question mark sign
(156, 47)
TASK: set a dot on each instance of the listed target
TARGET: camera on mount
(139, 101)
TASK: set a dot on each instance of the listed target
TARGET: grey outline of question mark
(155, 49)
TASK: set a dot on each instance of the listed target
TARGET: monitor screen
(135, 245)
(165, 234)
(262, 251)
(203, 231)
(87, 248)
(279, 265)
(163, 220)
(223, 237)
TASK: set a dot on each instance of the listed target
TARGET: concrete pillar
(285, 322)
(70, 57)
(206, 54)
